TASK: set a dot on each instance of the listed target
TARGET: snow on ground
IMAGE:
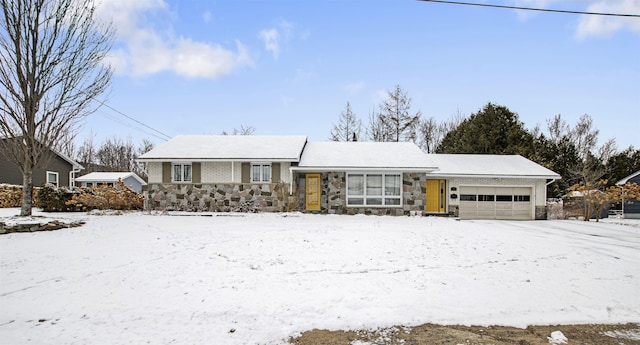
(260, 278)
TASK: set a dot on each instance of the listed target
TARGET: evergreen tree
(492, 130)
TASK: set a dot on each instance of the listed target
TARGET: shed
(130, 180)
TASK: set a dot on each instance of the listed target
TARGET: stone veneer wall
(216, 197)
(334, 193)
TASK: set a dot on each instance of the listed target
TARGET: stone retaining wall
(37, 226)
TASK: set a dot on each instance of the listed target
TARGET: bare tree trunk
(27, 191)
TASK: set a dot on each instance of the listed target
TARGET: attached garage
(507, 187)
(487, 202)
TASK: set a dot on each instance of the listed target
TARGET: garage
(496, 202)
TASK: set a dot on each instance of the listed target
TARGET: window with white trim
(52, 178)
(181, 172)
(374, 189)
(261, 172)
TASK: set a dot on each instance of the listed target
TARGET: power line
(165, 136)
(534, 9)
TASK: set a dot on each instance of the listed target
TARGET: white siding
(284, 172)
(154, 170)
(216, 172)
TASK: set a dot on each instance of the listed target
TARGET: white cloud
(354, 88)
(207, 16)
(590, 25)
(274, 38)
(271, 39)
(144, 50)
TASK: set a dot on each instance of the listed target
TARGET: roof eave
(349, 168)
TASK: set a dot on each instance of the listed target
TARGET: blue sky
(290, 66)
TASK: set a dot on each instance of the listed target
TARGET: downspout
(72, 176)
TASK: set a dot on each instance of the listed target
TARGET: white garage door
(495, 202)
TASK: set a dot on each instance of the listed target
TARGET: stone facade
(334, 195)
(269, 197)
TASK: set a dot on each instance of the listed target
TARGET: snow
(364, 155)
(108, 177)
(228, 147)
(492, 166)
(261, 278)
(557, 337)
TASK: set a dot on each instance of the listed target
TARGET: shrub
(107, 197)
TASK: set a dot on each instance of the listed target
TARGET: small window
(181, 172)
(52, 178)
(260, 172)
(467, 197)
(486, 197)
(521, 198)
(507, 198)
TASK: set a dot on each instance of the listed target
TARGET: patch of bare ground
(595, 334)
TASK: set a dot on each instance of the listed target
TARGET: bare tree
(429, 135)
(376, 130)
(431, 132)
(348, 128)
(86, 154)
(243, 130)
(52, 54)
(395, 117)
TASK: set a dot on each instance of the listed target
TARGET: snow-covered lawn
(260, 278)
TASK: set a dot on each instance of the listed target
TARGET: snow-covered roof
(479, 165)
(363, 155)
(626, 179)
(108, 177)
(229, 147)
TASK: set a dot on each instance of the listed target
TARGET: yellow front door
(313, 192)
(435, 196)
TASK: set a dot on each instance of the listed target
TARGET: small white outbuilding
(130, 180)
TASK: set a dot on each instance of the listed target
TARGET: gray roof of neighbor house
(398, 156)
(109, 177)
(228, 147)
(626, 179)
(481, 165)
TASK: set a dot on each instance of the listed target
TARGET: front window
(52, 178)
(260, 172)
(181, 172)
(373, 190)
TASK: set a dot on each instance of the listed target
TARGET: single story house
(221, 172)
(631, 208)
(362, 177)
(480, 186)
(59, 171)
(218, 173)
(129, 179)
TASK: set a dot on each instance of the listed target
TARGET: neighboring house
(631, 208)
(475, 186)
(129, 179)
(60, 171)
(214, 173)
(221, 172)
(361, 178)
